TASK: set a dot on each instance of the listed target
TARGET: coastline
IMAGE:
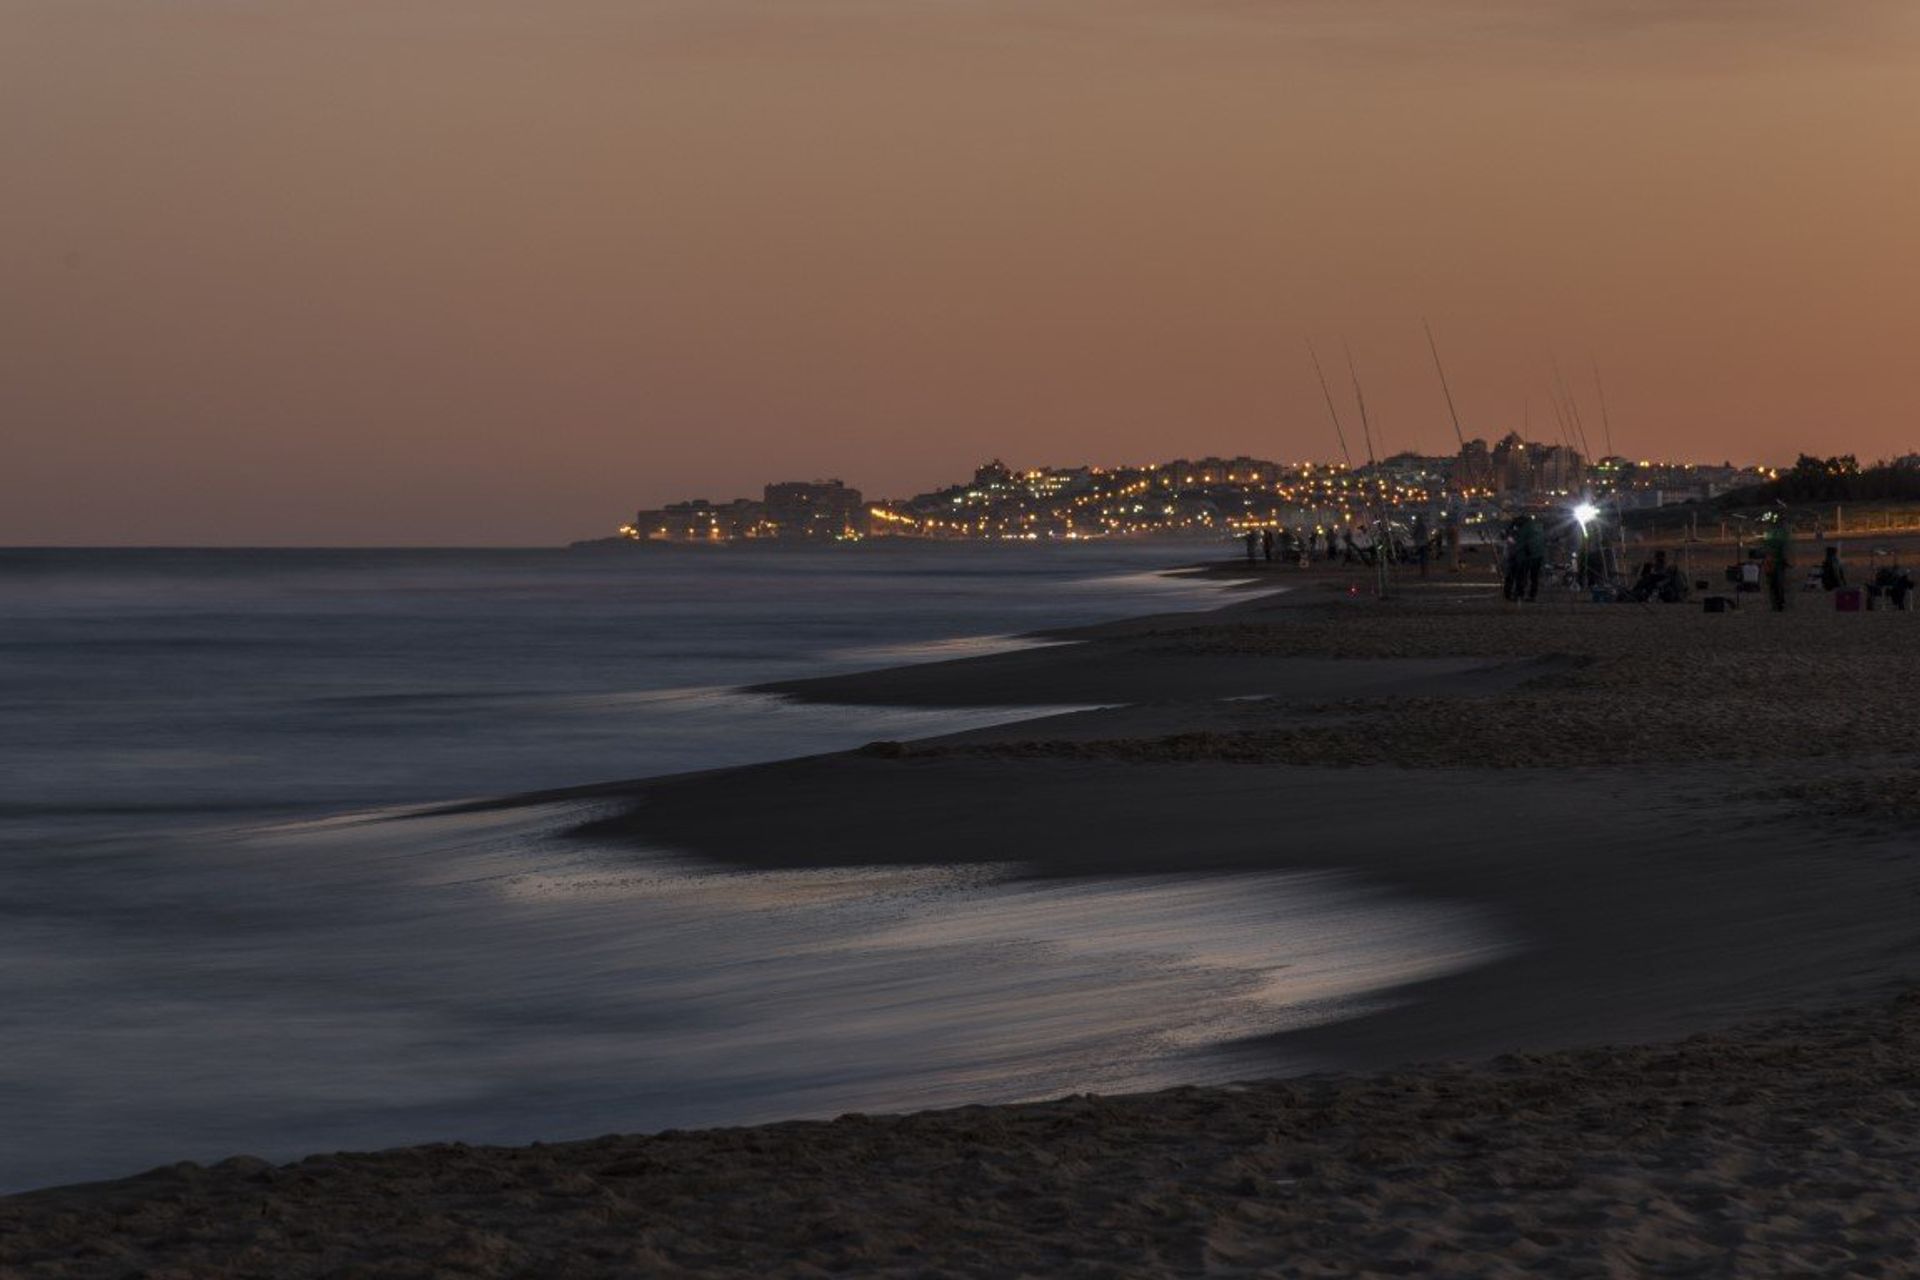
(1689, 889)
(1659, 863)
(1778, 1149)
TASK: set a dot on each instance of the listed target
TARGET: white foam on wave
(354, 983)
(941, 650)
(1167, 582)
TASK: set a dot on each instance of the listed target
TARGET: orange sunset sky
(469, 271)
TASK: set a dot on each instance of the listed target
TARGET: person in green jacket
(1778, 541)
(1526, 557)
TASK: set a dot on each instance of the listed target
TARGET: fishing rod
(1332, 412)
(1383, 533)
(1573, 408)
(1560, 417)
(1445, 390)
(1361, 399)
(1466, 485)
(1606, 421)
(1579, 423)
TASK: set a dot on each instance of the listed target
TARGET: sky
(364, 272)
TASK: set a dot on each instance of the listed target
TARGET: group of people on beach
(1416, 543)
(1769, 566)
(1890, 583)
(1525, 555)
(1528, 543)
(1659, 580)
(1354, 544)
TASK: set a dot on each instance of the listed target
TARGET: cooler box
(1850, 599)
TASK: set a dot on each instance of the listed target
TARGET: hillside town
(1205, 497)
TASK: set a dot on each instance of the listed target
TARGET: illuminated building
(815, 509)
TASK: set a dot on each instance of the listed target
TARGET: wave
(77, 809)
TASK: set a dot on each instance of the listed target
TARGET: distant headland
(1214, 497)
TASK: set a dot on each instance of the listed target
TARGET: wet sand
(1688, 823)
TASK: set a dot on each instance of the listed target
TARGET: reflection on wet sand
(361, 983)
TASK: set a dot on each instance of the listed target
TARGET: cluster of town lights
(1197, 497)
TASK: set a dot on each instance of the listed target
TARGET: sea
(235, 919)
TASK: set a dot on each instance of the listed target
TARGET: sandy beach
(1786, 1149)
(1699, 1058)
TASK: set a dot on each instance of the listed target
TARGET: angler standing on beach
(1779, 543)
(1526, 557)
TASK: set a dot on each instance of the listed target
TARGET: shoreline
(1780, 1148)
(1680, 888)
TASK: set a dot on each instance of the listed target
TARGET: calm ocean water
(211, 942)
(139, 686)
